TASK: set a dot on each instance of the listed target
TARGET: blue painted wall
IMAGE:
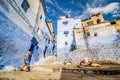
(14, 43)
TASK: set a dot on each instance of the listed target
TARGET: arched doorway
(98, 21)
(34, 54)
(73, 47)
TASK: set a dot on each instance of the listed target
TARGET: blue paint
(2, 15)
(4, 5)
(34, 48)
(34, 41)
(14, 43)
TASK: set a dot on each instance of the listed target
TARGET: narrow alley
(59, 40)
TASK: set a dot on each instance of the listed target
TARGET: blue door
(34, 54)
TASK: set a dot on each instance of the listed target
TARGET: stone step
(95, 70)
(45, 68)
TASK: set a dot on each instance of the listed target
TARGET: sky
(81, 8)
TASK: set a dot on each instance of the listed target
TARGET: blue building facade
(20, 30)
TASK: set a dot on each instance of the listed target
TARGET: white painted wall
(61, 38)
(104, 46)
(103, 31)
(16, 34)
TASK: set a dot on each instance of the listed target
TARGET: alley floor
(63, 72)
(45, 75)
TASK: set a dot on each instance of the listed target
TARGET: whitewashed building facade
(22, 26)
(96, 40)
(65, 36)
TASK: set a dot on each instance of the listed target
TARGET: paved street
(41, 75)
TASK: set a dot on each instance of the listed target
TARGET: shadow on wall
(14, 42)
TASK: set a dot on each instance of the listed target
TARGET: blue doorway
(34, 54)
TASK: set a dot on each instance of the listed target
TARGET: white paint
(61, 38)
(16, 35)
(9, 68)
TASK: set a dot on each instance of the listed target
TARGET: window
(37, 29)
(49, 41)
(112, 23)
(65, 22)
(40, 17)
(73, 47)
(87, 33)
(98, 21)
(46, 39)
(95, 34)
(66, 33)
(66, 43)
(25, 5)
(90, 23)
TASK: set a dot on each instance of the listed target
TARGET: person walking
(26, 65)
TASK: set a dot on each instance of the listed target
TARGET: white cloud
(116, 15)
(84, 15)
(67, 11)
(50, 10)
(105, 10)
(58, 7)
(97, 2)
(49, 1)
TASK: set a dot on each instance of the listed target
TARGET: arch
(73, 47)
(98, 21)
(88, 33)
